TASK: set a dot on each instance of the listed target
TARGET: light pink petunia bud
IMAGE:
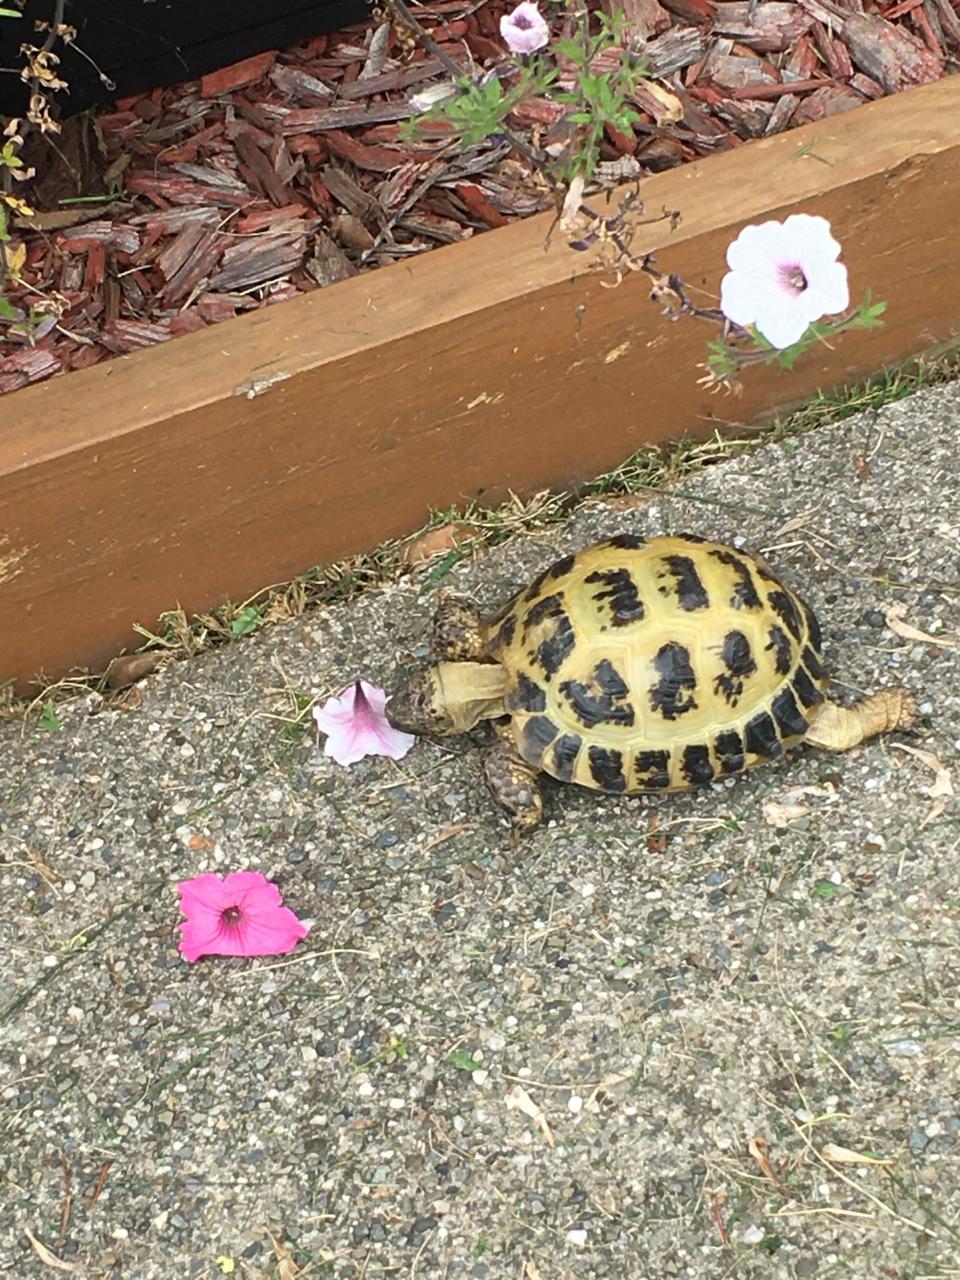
(783, 276)
(356, 726)
(524, 30)
(242, 915)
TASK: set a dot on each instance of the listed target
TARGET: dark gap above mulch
(287, 172)
(133, 45)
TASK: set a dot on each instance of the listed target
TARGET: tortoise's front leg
(514, 785)
(458, 633)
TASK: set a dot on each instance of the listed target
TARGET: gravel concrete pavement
(662, 1038)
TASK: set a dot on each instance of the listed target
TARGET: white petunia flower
(783, 276)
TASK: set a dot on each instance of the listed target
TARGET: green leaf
(824, 889)
(570, 49)
(249, 619)
(463, 1062)
(868, 317)
(10, 13)
(49, 721)
(7, 310)
(441, 569)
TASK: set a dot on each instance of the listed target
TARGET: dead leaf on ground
(843, 1155)
(626, 501)
(759, 1148)
(520, 1100)
(447, 834)
(127, 670)
(50, 1259)
(570, 216)
(287, 1269)
(894, 619)
(798, 521)
(779, 813)
(941, 789)
(862, 466)
(435, 541)
(531, 1271)
(46, 871)
(351, 233)
(656, 839)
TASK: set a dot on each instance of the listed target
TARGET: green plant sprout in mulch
(452, 535)
(785, 291)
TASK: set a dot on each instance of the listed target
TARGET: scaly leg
(458, 634)
(840, 728)
(513, 784)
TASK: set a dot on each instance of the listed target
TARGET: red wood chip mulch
(288, 171)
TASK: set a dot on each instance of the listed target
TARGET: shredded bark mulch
(289, 171)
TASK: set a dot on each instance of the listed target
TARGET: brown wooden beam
(243, 454)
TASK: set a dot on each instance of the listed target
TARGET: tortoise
(636, 665)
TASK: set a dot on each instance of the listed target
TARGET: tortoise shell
(657, 665)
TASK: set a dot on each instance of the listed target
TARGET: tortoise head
(418, 706)
(448, 697)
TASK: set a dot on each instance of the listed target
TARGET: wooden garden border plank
(240, 455)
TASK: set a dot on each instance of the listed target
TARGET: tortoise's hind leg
(513, 784)
(840, 728)
(458, 633)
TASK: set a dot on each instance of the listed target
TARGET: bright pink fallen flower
(356, 726)
(524, 30)
(242, 915)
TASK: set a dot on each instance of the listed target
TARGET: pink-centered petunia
(242, 915)
(356, 726)
(524, 29)
(783, 276)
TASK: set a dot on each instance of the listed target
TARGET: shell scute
(549, 635)
(696, 765)
(762, 738)
(673, 694)
(606, 768)
(729, 751)
(605, 700)
(805, 689)
(786, 610)
(737, 657)
(652, 769)
(781, 648)
(686, 584)
(617, 593)
(564, 755)
(745, 594)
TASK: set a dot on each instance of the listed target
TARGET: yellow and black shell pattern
(657, 664)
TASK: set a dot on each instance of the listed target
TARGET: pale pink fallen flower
(524, 29)
(242, 915)
(356, 726)
(783, 276)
